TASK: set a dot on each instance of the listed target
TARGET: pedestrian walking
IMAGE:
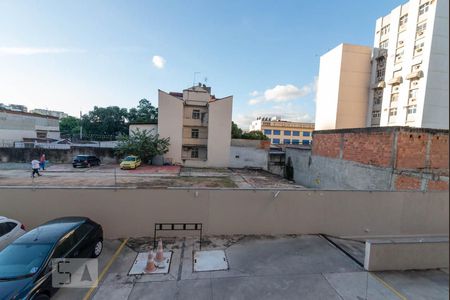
(42, 161)
(35, 166)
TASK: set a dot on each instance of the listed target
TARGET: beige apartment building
(408, 78)
(198, 125)
(284, 132)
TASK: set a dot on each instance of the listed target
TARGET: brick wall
(413, 154)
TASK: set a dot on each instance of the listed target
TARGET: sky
(73, 55)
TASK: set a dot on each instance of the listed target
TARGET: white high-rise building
(408, 83)
(409, 77)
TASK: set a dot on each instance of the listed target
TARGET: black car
(85, 161)
(25, 265)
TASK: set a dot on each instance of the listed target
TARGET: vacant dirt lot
(143, 177)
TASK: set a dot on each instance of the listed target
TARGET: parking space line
(105, 269)
(387, 285)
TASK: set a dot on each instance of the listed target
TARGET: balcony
(195, 122)
(195, 142)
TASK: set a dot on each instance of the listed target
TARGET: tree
(237, 133)
(69, 126)
(144, 113)
(142, 144)
(105, 123)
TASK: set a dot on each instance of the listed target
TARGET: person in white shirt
(35, 166)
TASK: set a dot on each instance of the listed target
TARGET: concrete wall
(132, 212)
(219, 132)
(106, 155)
(170, 124)
(243, 157)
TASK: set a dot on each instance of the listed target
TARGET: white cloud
(34, 50)
(283, 93)
(254, 93)
(159, 61)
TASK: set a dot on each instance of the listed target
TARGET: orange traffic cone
(160, 252)
(150, 267)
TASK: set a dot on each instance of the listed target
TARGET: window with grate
(196, 114)
(194, 153)
(423, 8)
(194, 133)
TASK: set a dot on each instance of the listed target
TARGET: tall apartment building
(284, 132)
(410, 67)
(198, 125)
(408, 81)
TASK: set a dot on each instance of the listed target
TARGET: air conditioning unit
(420, 33)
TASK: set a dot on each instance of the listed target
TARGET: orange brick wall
(411, 150)
(369, 148)
(327, 145)
(404, 182)
(439, 152)
(437, 185)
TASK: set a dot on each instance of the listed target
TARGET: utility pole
(81, 128)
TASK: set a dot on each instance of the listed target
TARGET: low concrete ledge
(407, 254)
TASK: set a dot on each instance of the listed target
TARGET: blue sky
(72, 55)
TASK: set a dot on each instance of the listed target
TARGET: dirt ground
(110, 175)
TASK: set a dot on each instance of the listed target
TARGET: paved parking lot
(110, 175)
(260, 267)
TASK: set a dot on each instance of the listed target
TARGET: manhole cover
(140, 263)
(211, 260)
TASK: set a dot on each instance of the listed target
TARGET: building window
(295, 142)
(306, 133)
(403, 20)
(385, 29)
(267, 131)
(194, 153)
(276, 132)
(296, 133)
(275, 141)
(287, 132)
(415, 68)
(411, 109)
(418, 47)
(423, 8)
(384, 44)
(305, 142)
(376, 114)
(194, 133)
(392, 112)
(394, 98)
(196, 114)
(41, 134)
(420, 30)
(399, 55)
(412, 96)
(286, 141)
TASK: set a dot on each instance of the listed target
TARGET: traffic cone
(160, 252)
(150, 267)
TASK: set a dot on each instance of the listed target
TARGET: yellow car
(130, 162)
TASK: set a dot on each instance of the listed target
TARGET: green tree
(69, 126)
(142, 144)
(105, 123)
(237, 133)
(144, 113)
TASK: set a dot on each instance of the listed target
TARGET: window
(267, 131)
(392, 112)
(6, 227)
(385, 29)
(287, 132)
(296, 133)
(286, 141)
(295, 142)
(384, 44)
(399, 55)
(403, 20)
(423, 8)
(380, 74)
(65, 246)
(305, 142)
(376, 114)
(275, 141)
(194, 133)
(411, 109)
(196, 114)
(418, 47)
(412, 96)
(415, 68)
(82, 231)
(41, 134)
(420, 30)
(306, 133)
(394, 97)
(194, 153)
(276, 132)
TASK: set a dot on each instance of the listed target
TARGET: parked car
(130, 162)
(10, 230)
(26, 266)
(85, 161)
